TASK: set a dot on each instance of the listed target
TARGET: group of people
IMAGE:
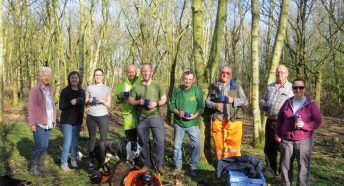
(292, 117)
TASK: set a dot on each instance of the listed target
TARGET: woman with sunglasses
(298, 118)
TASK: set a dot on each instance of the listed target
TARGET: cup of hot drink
(147, 102)
(126, 94)
(187, 114)
(265, 107)
(222, 99)
(79, 101)
(94, 101)
(298, 119)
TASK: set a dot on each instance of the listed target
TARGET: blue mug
(94, 101)
(126, 94)
(79, 101)
(222, 99)
(147, 102)
(266, 108)
(187, 114)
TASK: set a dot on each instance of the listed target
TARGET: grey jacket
(231, 111)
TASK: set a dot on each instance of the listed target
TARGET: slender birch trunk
(255, 69)
(2, 65)
(279, 40)
(214, 55)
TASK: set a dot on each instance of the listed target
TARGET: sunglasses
(227, 73)
(300, 87)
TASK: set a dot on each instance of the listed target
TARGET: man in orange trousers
(226, 99)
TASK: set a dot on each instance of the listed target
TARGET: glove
(121, 95)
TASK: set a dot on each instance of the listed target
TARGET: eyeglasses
(226, 73)
(298, 87)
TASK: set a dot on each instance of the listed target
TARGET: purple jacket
(285, 124)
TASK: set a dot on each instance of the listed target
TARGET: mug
(126, 94)
(222, 99)
(266, 107)
(147, 102)
(79, 101)
(94, 101)
(187, 114)
(298, 118)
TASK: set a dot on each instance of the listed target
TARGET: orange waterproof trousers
(227, 137)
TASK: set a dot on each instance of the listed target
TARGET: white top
(49, 109)
(101, 91)
(297, 103)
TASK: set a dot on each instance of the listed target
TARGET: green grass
(16, 145)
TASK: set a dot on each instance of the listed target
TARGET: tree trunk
(82, 38)
(279, 40)
(216, 45)
(2, 65)
(199, 63)
(255, 70)
(57, 50)
(92, 57)
(318, 84)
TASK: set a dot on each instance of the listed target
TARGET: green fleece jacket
(190, 100)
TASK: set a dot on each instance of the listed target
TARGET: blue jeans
(41, 139)
(71, 135)
(195, 140)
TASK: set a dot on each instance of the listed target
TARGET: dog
(6, 180)
(120, 149)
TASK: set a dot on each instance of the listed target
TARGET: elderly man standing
(147, 96)
(42, 118)
(225, 99)
(122, 93)
(274, 97)
(187, 104)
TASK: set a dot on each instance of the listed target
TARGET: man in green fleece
(147, 96)
(187, 104)
(122, 94)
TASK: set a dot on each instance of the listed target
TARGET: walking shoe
(90, 167)
(176, 171)
(160, 170)
(74, 164)
(145, 167)
(193, 172)
(64, 167)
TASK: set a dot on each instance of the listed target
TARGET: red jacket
(36, 110)
(285, 124)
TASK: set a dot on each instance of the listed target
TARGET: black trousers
(92, 123)
(271, 147)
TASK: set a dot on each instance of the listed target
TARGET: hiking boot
(193, 172)
(91, 167)
(34, 171)
(160, 170)
(64, 167)
(176, 171)
(145, 167)
(74, 164)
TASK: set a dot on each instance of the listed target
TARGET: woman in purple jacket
(296, 121)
